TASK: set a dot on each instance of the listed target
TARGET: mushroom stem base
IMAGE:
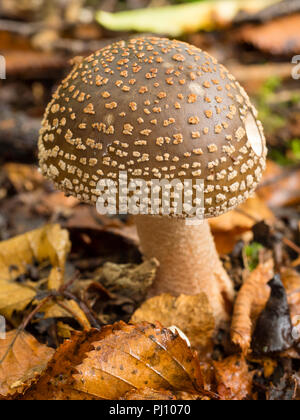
(189, 262)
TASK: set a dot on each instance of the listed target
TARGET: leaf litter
(74, 271)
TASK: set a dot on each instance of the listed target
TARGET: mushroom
(159, 110)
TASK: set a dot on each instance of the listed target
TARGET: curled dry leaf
(291, 281)
(65, 309)
(192, 314)
(250, 302)
(121, 358)
(129, 279)
(48, 243)
(22, 360)
(234, 381)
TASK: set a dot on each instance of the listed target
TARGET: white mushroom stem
(189, 262)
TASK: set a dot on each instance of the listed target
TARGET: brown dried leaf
(66, 309)
(280, 188)
(192, 314)
(149, 394)
(129, 279)
(117, 360)
(279, 36)
(23, 363)
(250, 302)
(244, 218)
(291, 281)
(234, 381)
(228, 229)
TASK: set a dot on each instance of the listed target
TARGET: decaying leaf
(192, 314)
(273, 331)
(250, 302)
(48, 243)
(285, 390)
(234, 381)
(21, 362)
(177, 20)
(129, 279)
(121, 358)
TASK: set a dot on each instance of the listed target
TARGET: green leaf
(177, 20)
(251, 253)
(295, 148)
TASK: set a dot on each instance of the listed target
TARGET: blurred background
(258, 40)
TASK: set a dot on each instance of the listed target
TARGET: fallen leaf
(192, 314)
(250, 302)
(65, 309)
(229, 228)
(23, 177)
(244, 218)
(285, 390)
(273, 331)
(86, 217)
(121, 358)
(180, 19)
(129, 279)
(234, 381)
(64, 330)
(279, 37)
(24, 361)
(280, 186)
(291, 281)
(48, 243)
(269, 367)
(148, 394)
(55, 383)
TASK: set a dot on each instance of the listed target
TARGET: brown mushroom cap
(158, 109)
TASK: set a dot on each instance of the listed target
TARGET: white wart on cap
(158, 109)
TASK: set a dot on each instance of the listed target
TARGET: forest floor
(66, 272)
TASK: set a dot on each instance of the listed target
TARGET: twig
(291, 245)
(85, 308)
(71, 312)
